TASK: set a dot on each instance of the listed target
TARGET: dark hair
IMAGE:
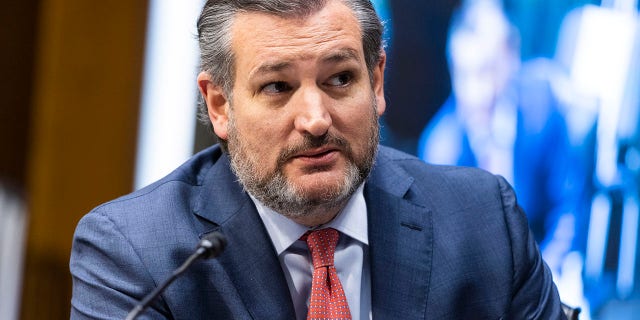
(214, 34)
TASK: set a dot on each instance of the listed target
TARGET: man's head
(214, 36)
(483, 53)
(295, 88)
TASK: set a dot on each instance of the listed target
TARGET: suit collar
(220, 195)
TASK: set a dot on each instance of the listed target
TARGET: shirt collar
(351, 221)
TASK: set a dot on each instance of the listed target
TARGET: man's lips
(318, 156)
(317, 152)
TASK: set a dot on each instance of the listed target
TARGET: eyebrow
(341, 55)
(271, 67)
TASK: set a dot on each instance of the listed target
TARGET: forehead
(258, 37)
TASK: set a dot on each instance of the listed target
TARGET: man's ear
(217, 104)
(378, 83)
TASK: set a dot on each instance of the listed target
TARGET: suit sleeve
(109, 278)
(534, 295)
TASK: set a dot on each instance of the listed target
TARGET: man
(293, 90)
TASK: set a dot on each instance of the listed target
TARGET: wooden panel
(85, 111)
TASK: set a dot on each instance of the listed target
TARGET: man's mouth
(316, 153)
(318, 157)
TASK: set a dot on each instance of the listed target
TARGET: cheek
(262, 138)
(356, 120)
(267, 131)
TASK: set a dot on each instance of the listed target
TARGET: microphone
(209, 247)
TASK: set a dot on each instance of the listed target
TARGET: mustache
(312, 142)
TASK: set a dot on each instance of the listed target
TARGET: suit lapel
(400, 243)
(249, 259)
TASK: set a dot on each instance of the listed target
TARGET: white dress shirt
(351, 258)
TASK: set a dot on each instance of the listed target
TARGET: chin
(319, 181)
(323, 188)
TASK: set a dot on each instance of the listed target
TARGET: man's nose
(313, 116)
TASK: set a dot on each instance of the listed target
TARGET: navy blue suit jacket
(445, 243)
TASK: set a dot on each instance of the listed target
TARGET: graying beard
(282, 197)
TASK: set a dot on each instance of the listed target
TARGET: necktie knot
(322, 245)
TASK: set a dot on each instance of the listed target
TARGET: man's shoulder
(175, 189)
(405, 175)
(390, 159)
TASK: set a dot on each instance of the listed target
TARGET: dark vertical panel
(17, 33)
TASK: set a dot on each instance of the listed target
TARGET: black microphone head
(213, 244)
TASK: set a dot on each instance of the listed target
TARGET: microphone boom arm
(209, 247)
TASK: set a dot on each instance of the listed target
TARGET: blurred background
(99, 99)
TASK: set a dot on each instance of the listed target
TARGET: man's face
(302, 127)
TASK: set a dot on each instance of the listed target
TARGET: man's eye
(340, 80)
(276, 87)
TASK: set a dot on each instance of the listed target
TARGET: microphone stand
(209, 247)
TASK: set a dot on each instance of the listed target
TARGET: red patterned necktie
(327, 300)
